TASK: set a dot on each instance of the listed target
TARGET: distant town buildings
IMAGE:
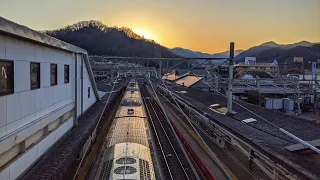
(270, 68)
(298, 59)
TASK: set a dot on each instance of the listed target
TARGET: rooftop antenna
(229, 92)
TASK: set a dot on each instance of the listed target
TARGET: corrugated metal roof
(128, 161)
(128, 129)
(189, 80)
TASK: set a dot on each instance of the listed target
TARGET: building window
(88, 92)
(66, 73)
(6, 77)
(35, 75)
(53, 74)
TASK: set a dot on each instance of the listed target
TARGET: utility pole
(229, 95)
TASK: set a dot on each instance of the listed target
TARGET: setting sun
(146, 34)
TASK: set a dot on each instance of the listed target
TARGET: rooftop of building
(260, 134)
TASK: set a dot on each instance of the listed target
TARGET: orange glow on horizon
(199, 25)
(146, 33)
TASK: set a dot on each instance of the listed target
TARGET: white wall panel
(5, 174)
(45, 144)
(13, 49)
(13, 108)
(40, 99)
(85, 71)
(3, 131)
(31, 156)
(21, 76)
(49, 96)
(69, 89)
(41, 113)
(70, 59)
(28, 51)
(59, 57)
(17, 167)
(14, 125)
(60, 73)
(44, 54)
(28, 119)
(88, 102)
(3, 110)
(44, 74)
(2, 47)
(27, 103)
(59, 93)
(19, 50)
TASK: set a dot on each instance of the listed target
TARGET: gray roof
(17, 30)
(260, 134)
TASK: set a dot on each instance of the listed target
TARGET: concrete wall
(27, 112)
(16, 168)
(25, 105)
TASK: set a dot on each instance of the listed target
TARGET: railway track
(173, 162)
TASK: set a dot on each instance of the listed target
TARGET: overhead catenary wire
(227, 140)
(212, 154)
(103, 111)
(169, 122)
(85, 152)
(268, 168)
(274, 125)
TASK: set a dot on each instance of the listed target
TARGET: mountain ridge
(196, 54)
(100, 39)
(268, 52)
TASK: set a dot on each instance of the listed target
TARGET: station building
(45, 85)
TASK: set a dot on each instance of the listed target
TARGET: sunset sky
(201, 25)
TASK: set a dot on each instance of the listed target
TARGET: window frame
(11, 92)
(38, 78)
(68, 73)
(56, 75)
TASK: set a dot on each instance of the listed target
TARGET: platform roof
(260, 134)
(189, 80)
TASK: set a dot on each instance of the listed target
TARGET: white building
(44, 82)
(250, 60)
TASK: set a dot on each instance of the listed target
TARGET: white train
(127, 153)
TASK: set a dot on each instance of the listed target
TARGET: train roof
(127, 161)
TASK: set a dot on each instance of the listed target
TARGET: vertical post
(298, 98)
(251, 158)
(315, 93)
(160, 68)
(81, 80)
(230, 76)
(216, 80)
(75, 123)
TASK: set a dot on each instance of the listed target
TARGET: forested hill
(99, 39)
